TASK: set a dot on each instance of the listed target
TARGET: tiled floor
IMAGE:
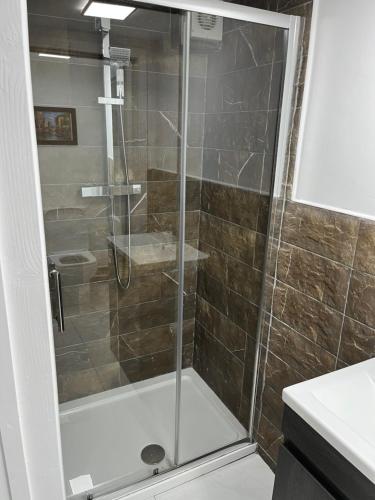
(247, 479)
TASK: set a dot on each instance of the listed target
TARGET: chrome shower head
(120, 56)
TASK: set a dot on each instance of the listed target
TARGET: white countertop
(340, 406)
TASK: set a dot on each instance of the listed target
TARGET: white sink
(340, 406)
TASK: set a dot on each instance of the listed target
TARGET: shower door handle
(58, 310)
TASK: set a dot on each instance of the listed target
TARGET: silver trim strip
(181, 249)
(282, 147)
(156, 485)
(224, 9)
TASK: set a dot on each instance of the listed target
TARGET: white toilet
(81, 264)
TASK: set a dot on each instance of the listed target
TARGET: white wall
(336, 152)
(4, 487)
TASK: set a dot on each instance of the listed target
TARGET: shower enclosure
(158, 136)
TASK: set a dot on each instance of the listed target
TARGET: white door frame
(29, 425)
(30, 442)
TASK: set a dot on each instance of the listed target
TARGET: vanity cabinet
(309, 468)
(293, 478)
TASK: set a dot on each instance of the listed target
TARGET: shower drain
(152, 454)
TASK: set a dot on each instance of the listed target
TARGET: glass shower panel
(108, 97)
(235, 105)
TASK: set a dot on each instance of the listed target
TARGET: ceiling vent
(206, 27)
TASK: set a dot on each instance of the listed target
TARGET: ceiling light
(57, 56)
(107, 10)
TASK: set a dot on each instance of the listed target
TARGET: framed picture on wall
(55, 126)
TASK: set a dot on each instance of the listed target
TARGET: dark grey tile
(242, 169)
(76, 235)
(246, 131)
(164, 93)
(164, 131)
(81, 165)
(135, 127)
(244, 90)
(248, 46)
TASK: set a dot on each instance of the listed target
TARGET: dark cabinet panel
(294, 482)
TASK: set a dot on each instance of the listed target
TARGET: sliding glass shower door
(156, 141)
(239, 112)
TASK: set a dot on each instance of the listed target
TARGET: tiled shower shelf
(154, 248)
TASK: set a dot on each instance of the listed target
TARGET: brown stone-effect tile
(242, 312)
(153, 365)
(305, 357)
(230, 203)
(222, 328)
(365, 254)
(221, 370)
(247, 385)
(272, 406)
(269, 438)
(234, 240)
(361, 298)
(357, 342)
(327, 233)
(245, 280)
(316, 276)
(78, 384)
(278, 374)
(313, 319)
